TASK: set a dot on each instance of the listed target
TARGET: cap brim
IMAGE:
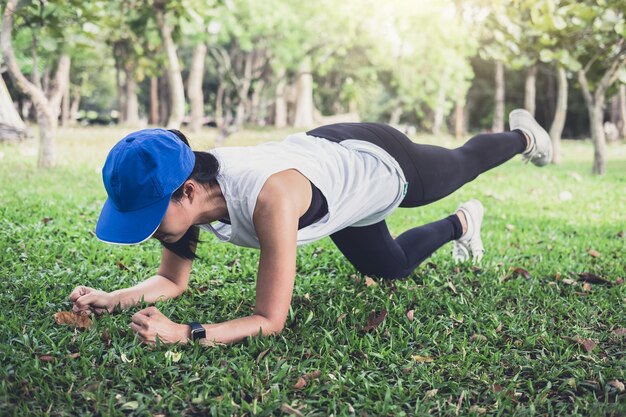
(130, 227)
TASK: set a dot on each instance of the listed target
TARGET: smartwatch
(197, 331)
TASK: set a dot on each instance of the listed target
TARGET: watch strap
(197, 331)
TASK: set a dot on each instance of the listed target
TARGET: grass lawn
(502, 339)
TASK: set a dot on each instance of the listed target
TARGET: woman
(339, 180)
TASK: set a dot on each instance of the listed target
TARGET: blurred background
(446, 67)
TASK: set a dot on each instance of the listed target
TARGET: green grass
(525, 321)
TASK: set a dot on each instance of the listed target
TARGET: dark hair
(204, 172)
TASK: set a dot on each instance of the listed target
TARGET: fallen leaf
(478, 337)
(522, 272)
(77, 320)
(619, 281)
(587, 344)
(174, 356)
(74, 355)
(499, 328)
(312, 375)
(262, 355)
(409, 315)
(130, 405)
(452, 287)
(593, 278)
(587, 287)
(121, 266)
(290, 410)
(369, 281)
(125, 359)
(106, 337)
(301, 383)
(422, 359)
(46, 220)
(618, 385)
(341, 317)
(431, 393)
(374, 320)
(594, 253)
(478, 410)
(620, 332)
(568, 281)
(46, 358)
(620, 234)
(510, 227)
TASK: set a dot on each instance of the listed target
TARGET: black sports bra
(317, 209)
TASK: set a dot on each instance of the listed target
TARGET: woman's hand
(150, 323)
(90, 300)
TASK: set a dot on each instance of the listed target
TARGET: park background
(538, 328)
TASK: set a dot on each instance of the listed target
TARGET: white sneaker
(540, 152)
(470, 244)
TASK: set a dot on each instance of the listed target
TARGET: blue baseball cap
(140, 174)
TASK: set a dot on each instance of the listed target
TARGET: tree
(12, 127)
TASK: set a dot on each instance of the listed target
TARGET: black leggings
(432, 172)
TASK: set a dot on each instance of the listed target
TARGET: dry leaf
(77, 320)
(409, 315)
(593, 278)
(478, 410)
(301, 383)
(522, 272)
(341, 317)
(594, 253)
(374, 320)
(369, 281)
(312, 375)
(510, 227)
(431, 393)
(452, 287)
(620, 332)
(587, 344)
(174, 356)
(587, 287)
(121, 266)
(46, 220)
(568, 281)
(478, 337)
(262, 355)
(74, 355)
(46, 358)
(618, 385)
(422, 359)
(619, 281)
(499, 328)
(290, 410)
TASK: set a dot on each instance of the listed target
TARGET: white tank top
(361, 182)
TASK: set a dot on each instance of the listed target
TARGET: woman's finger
(139, 319)
(78, 292)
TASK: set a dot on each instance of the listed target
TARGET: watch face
(198, 333)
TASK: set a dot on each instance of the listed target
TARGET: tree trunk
(132, 104)
(60, 85)
(304, 96)
(65, 107)
(396, 114)
(255, 102)
(175, 79)
(459, 117)
(164, 101)
(154, 101)
(498, 114)
(219, 109)
(595, 106)
(121, 102)
(244, 90)
(622, 109)
(441, 106)
(194, 87)
(530, 89)
(46, 116)
(12, 127)
(74, 107)
(280, 103)
(556, 130)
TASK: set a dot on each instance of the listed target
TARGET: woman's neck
(214, 206)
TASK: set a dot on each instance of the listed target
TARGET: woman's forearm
(154, 288)
(233, 331)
